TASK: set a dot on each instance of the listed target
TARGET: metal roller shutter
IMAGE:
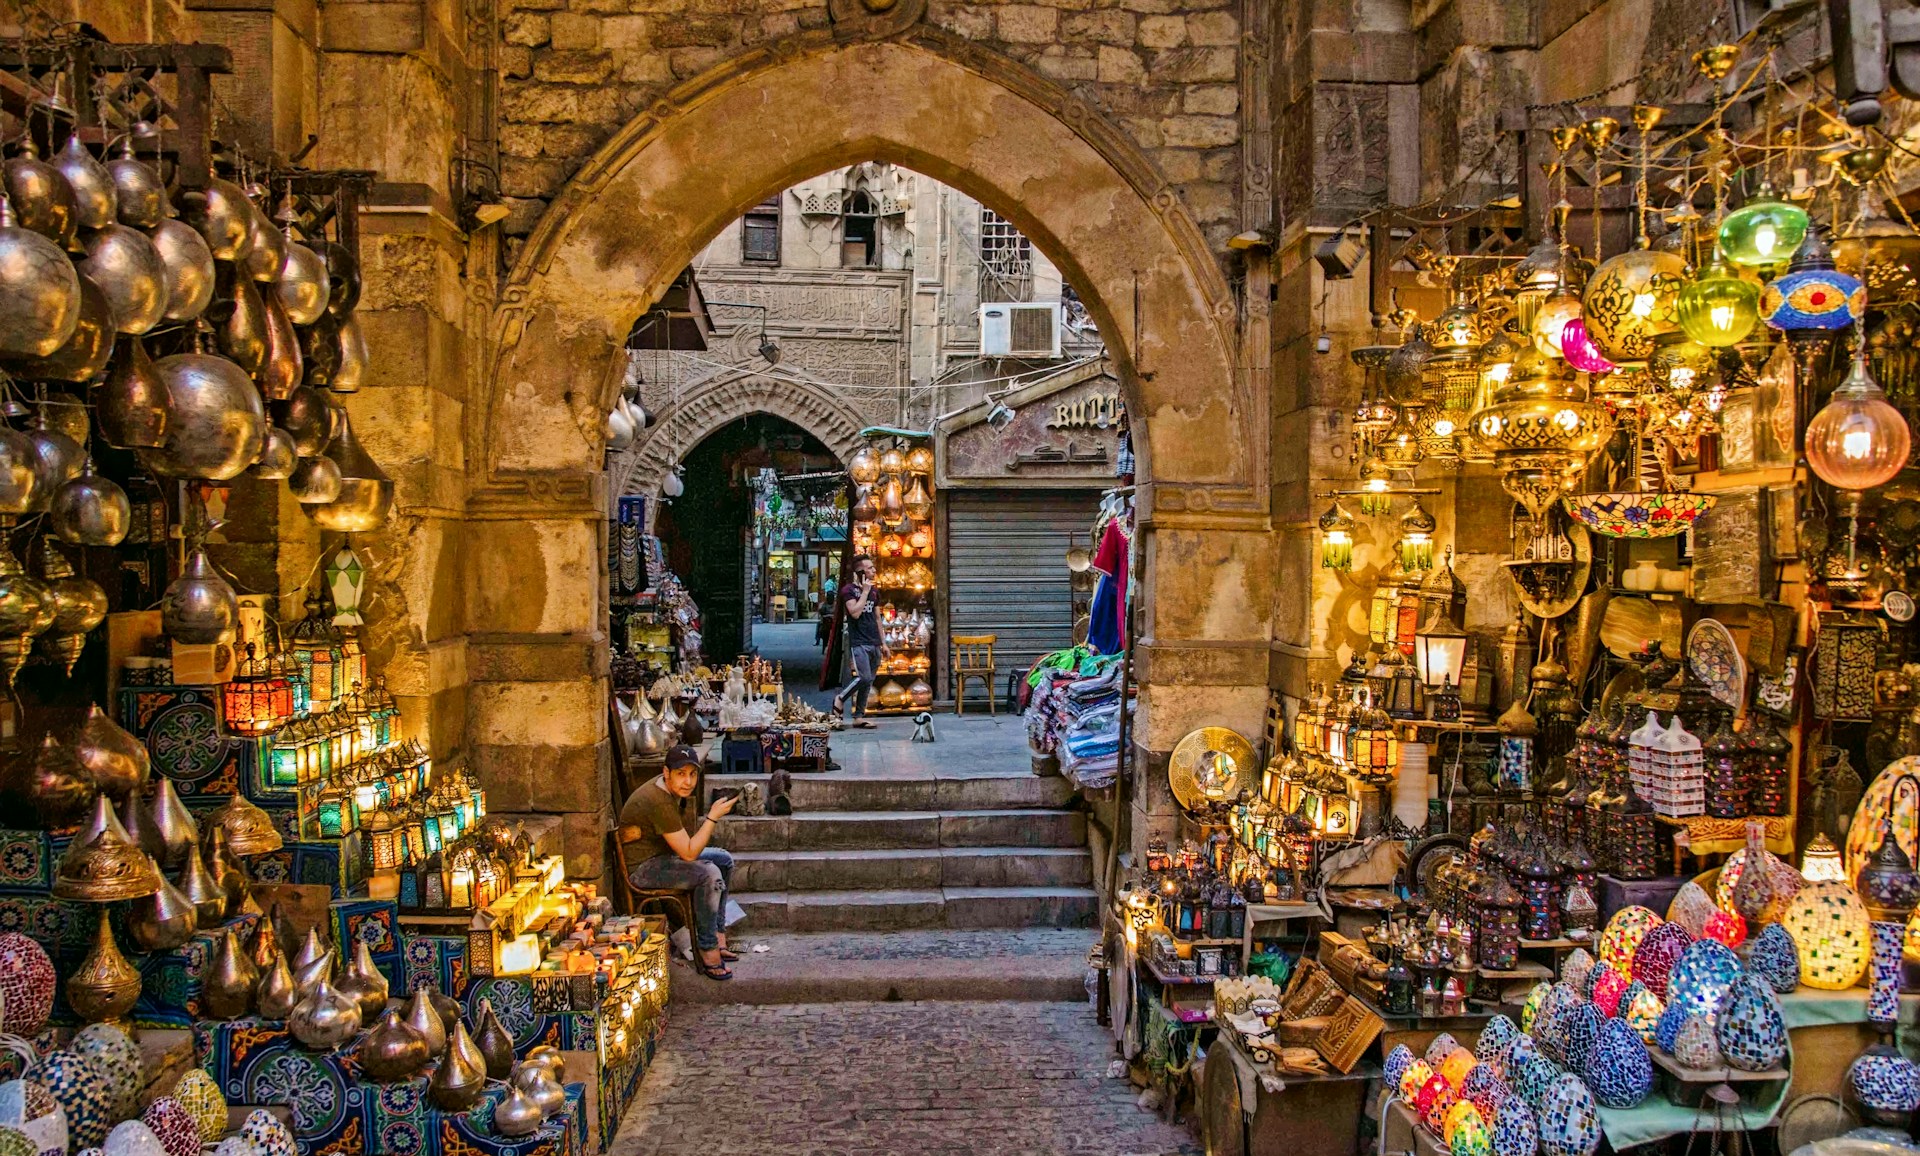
(1007, 569)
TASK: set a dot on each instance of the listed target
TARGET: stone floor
(890, 1079)
(1023, 963)
(792, 645)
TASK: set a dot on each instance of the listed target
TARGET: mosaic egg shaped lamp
(1829, 926)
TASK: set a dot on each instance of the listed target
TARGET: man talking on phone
(864, 648)
(663, 850)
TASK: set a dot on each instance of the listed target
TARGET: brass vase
(308, 976)
(161, 921)
(517, 1114)
(90, 510)
(461, 1076)
(104, 866)
(202, 890)
(324, 1018)
(364, 982)
(173, 823)
(422, 1017)
(131, 403)
(226, 986)
(391, 1049)
(276, 995)
(494, 1043)
(105, 986)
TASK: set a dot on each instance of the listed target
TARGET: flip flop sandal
(716, 973)
(728, 955)
(867, 725)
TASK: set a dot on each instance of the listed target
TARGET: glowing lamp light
(1376, 485)
(1336, 544)
(1560, 309)
(1576, 345)
(1416, 539)
(1821, 862)
(1857, 441)
(521, 953)
(1764, 232)
(1440, 650)
(1719, 307)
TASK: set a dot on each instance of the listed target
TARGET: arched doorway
(681, 171)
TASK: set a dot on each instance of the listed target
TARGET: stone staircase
(881, 854)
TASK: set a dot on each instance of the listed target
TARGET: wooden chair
(779, 613)
(973, 658)
(676, 900)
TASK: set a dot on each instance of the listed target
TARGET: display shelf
(1181, 980)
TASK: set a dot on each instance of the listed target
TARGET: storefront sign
(1064, 431)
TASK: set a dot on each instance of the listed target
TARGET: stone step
(831, 792)
(882, 910)
(886, 830)
(1029, 963)
(912, 867)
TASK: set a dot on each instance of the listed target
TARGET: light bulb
(1857, 441)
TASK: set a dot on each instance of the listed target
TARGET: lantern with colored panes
(250, 699)
(1497, 924)
(316, 648)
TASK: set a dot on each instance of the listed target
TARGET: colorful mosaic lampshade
(1629, 514)
(1829, 925)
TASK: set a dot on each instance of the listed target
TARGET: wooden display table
(1310, 1115)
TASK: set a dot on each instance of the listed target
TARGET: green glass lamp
(1764, 232)
(1336, 543)
(1718, 308)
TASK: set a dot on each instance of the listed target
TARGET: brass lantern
(1631, 299)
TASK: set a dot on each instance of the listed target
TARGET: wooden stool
(674, 899)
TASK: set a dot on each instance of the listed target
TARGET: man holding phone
(664, 851)
(864, 647)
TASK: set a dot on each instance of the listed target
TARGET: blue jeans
(705, 876)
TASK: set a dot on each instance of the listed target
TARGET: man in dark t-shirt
(864, 648)
(663, 851)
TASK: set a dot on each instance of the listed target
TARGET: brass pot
(308, 975)
(90, 510)
(49, 784)
(92, 185)
(199, 606)
(39, 291)
(276, 995)
(41, 196)
(105, 868)
(190, 273)
(352, 370)
(302, 285)
(366, 492)
(173, 825)
(324, 1018)
(161, 921)
(516, 1114)
(284, 367)
(267, 250)
(127, 267)
(422, 1017)
(363, 982)
(132, 402)
(117, 761)
(307, 417)
(494, 1043)
(320, 349)
(84, 354)
(105, 986)
(536, 1079)
(277, 456)
(250, 831)
(461, 1076)
(203, 890)
(215, 420)
(550, 1056)
(315, 480)
(221, 214)
(227, 982)
(391, 1049)
(239, 319)
(140, 196)
(343, 279)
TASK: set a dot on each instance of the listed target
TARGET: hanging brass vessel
(320, 348)
(203, 890)
(190, 271)
(48, 784)
(179, 835)
(516, 1114)
(39, 291)
(267, 248)
(79, 605)
(277, 456)
(391, 1049)
(343, 279)
(352, 371)
(132, 402)
(139, 195)
(90, 510)
(461, 1076)
(105, 986)
(105, 867)
(324, 1018)
(127, 267)
(41, 195)
(57, 459)
(307, 417)
(215, 422)
(364, 982)
(92, 185)
(227, 983)
(421, 1016)
(83, 355)
(366, 492)
(494, 1043)
(117, 761)
(250, 830)
(283, 370)
(315, 480)
(302, 285)
(161, 921)
(199, 606)
(239, 319)
(221, 213)
(276, 994)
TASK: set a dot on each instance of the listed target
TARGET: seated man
(662, 851)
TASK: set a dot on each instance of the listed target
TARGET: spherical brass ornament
(308, 417)
(391, 1050)
(132, 403)
(324, 1018)
(41, 196)
(536, 1078)
(366, 492)
(314, 480)
(215, 423)
(302, 285)
(139, 195)
(57, 460)
(127, 267)
(1631, 299)
(190, 271)
(39, 291)
(117, 761)
(93, 195)
(199, 607)
(277, 456)
(516, 1114)
(90, 510)
(85, 352)
(221, 214)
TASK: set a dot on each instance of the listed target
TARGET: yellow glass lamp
(1820, 863)
(1829, 925)
(1336, 542)
(1718, 308)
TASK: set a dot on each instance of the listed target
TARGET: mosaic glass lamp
(1813, 294)
(1829, 926)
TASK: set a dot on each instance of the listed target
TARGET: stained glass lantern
(1416, 539)
(385, 841)
(1540, 891)
(430, 831)
(346, 579)
(1631, 826)
(316, 648)
(1718, 308)
(354, 660)
(385, 712)
(1497, 925)
(1763, 233)
(1830, 927)
(1578, 912)
(1728, 787)
(1336, 542)
(336, 813)
(1631, 299)
(283, 759)
(448, 822)
(246, 701)
(1812, 294)
(416, 836)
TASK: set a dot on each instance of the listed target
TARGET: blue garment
(1103, 627)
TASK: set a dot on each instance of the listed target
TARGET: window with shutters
(1006, 260)
(860, 232)
(760, 233)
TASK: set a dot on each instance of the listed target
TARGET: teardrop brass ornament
(215, 419)
(446, 1006)
(315, 480)
(283, 370)
(267, 252)
(39, 290)
(239, 317)
(307, 417)
(57, 459)
(324, 1018)
(107, 867)
(24, 610)
(277, 456)
(366, 492)
(221, 214)
(179, 834)
(190, 271)
(422, 1018)
(462, 1075)
(127, 267)
(83, 355)
(117, 761)
(140, 196)
(105, 986)
(161, 921)
(79, 605)
(132, 402)
(227, 983)
(302, 285)
(225, 869)
(276, 994)
(343, 279)
(199, 606)
(320, 347)
(47, 783)
(136, 818)
(90, 510)
(250, 830)
(41, 196)
(263, 944)
(362, 980)
(516, 1114)
(202, 890)
(311, 949)
(93, 194)
(352, 371)
(536, 1079)
(307, 976)
(391, 1049)
(17, 477)
(494, 1043)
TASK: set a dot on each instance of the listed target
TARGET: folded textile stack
(1074, 713)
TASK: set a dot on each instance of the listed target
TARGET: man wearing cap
(663, 851)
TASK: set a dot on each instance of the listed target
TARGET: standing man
(863, 641)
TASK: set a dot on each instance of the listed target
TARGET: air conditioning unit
(1020, 329)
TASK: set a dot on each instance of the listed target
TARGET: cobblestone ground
(890, 1079)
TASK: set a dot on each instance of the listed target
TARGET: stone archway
(730, 396)
(662, 187)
